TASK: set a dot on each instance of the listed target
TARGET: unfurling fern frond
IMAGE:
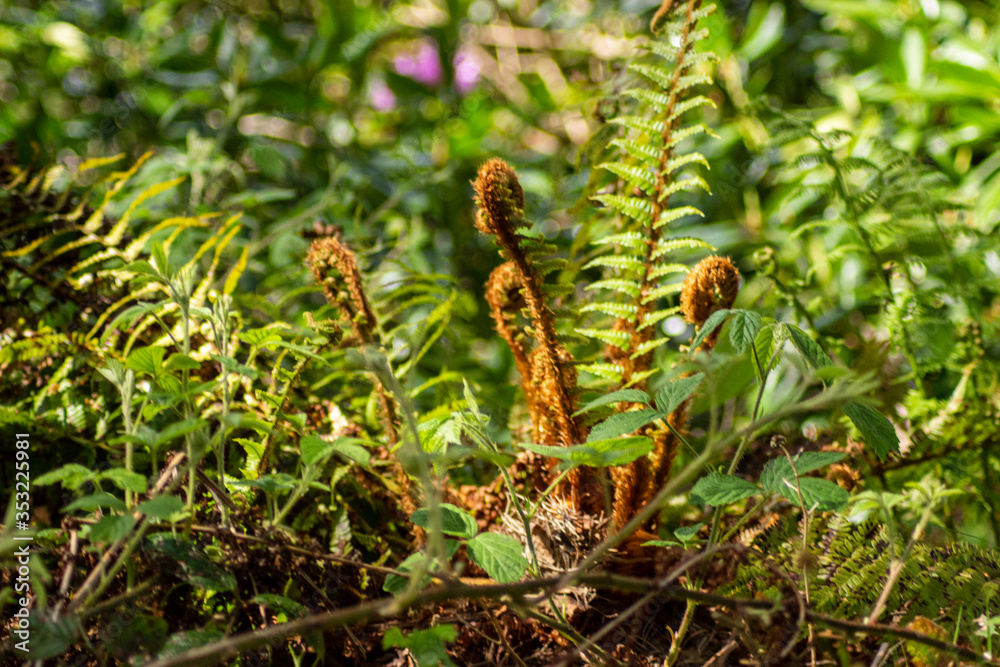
(651, 172)
(548, 375)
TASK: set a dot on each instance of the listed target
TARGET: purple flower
(420, 63)
(381, 96)
(467, 71)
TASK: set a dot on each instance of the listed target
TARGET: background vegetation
(159, 310)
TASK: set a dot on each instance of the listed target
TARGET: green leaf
(161, 507)
(426, 646)
(620, 396)
(678, 391)
(233, 366)
(817, 492)
(623, 423)
(260, 336)
(111, 528)
(180, 361)
(350, 449)
(778, 477)
(500, 555)
(395, 583)
(614, 451)
(179, 429)
(716, 489)
(743, 329)
(143, 268)
(780, 469)
(454, 521)
(124, 479)
(769, 339)
(72, 476)
(146, 360)
(280, 603)
(195, 567)
(93, 501)
(876, 429)
(711, 324)
(188, 640)
(662, 543)
(688, 533)
(314, 448)
(599, 453)
(809, 348)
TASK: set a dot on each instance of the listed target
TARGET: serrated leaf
(395, 583)
(125, 479)
(161, 507)
(95, 500)
(743, 329)
(111, 528)
(676, 392)
(313, 448)
(767, 344)
(822, 494)
(454, 521)
(779, 469)
(809, 348)
(146, 360)
(500, 555)
(718, 489)
(876, 429)
(179, 361)
(597, 454)
(623, 423)
(620, 396)
(688, 533)
(72, 476)
(711, 324)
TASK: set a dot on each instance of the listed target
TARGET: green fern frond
(612, 372)
(619, 339)
(638, 209)
(653, 170)
(628, 287)
(622, 310)
(628, 239)
(640, 178)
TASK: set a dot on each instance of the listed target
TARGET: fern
(651, 171)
